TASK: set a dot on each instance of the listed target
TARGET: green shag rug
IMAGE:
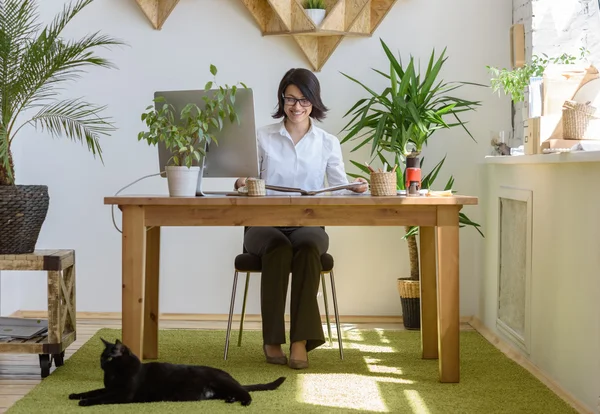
(382, 371)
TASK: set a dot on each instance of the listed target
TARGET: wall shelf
(157, 11)
(288, 18)
(343, 18)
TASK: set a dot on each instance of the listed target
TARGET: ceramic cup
(256, 187)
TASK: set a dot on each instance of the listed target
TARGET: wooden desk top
(361, 200)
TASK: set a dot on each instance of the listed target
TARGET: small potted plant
(188, 134)
(514, 82)
(315, 9)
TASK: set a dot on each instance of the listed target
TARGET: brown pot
(410, 298)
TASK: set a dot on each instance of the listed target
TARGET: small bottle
(412, 173)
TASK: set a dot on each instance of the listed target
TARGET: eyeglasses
(292, 101)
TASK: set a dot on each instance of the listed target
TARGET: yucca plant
(399, 121)
(35, 63)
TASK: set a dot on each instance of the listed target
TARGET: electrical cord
(112, 207)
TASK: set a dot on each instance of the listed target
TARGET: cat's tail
(265, 387)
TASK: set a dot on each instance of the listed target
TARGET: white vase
(182, 181)
(316, 15)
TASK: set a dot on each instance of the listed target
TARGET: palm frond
(46, 65)
(75, 119)
(17, 25)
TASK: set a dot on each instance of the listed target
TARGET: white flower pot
(316, 15)
(182, 181)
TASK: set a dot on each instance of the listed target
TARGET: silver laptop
(236, 154)
(22, 328)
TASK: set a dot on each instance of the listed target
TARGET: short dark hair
(309, 85)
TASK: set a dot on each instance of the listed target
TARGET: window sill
(565, 157)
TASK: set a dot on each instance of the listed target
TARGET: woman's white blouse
(318, 155)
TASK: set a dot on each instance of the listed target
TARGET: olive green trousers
(285, 250)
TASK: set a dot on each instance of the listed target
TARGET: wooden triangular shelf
(288, 18)
(317, 48)
(265, 16)
(157, 11)
(343, 18)
(335, 18)
(379, 9)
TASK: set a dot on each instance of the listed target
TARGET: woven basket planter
(410, 298)
(576, 119)
(23, 209)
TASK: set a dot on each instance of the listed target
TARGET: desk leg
(151, 299)
(448, 293)
(429, 328)
(134, 269)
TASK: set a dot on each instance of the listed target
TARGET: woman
(294, 153)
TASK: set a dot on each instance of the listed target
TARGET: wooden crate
(60, 265)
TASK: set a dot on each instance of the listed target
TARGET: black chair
(249, 263)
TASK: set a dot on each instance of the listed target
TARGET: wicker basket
(576, 119)
(256, 187)
(23, 209)
(383, 183)
(410, 298)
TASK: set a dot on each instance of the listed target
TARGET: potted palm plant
(315, 9)
(398, 122)
(186, 136)
(35, 63)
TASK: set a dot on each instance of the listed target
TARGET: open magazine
(313, 192)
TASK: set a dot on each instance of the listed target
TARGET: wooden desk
(437, 216)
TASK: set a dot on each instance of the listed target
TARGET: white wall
(196, 263)
(10, 292)
(565, 315)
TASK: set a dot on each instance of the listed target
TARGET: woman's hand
(360, 188)
(240, 182)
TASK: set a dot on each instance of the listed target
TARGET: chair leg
(243, 309)
(235, 279)
(325, 301)
(337, 315)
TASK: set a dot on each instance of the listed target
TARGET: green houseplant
(398, 122)
(187, 135)
(315, 9)
(514, 82)
(35, 62)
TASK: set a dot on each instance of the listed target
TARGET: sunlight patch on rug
(384, 339)
(416, 402)
(366, 348)
(353, 335)
(325, 390)
(374, 365)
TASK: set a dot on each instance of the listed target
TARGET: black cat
(128, 380)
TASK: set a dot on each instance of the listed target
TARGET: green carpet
(382, 372)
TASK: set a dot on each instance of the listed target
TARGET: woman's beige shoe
(280, 360)
(298, 364)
